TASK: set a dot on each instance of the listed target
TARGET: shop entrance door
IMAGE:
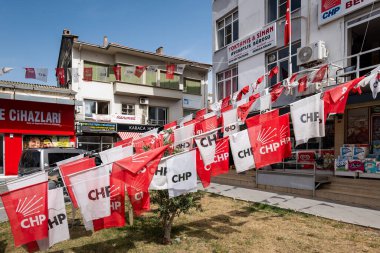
(2, 163)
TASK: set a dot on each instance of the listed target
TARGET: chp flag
(308, 118)
(230, 122)
(206, 145)
(159, 181)
(182, 174)
(242, 152)
(183, 137)
(27, 211)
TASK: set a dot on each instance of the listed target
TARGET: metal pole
(290, 38)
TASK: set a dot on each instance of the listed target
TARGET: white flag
(207, 145)
(102, 73)
(180, 68)
(5, 70)
(58, 226)
(185, 119)
(114, 154)
(152, 68)
(129, 71)
(160, 181)
(182, 174)
(41, 74)
(215, 106)
(265, 103)
(242, 151)
(230, 122)
(182, 137)
(308, 118)
(91, 190)
(241, 102)
(154, 131)
(374, 84)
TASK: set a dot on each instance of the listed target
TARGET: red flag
(117, 72)
(276, 92)
(302, 84)
(227, 108)
(143, 143)
(87, 74)
(140, 201)
(206, 125)
(320, 74)
(73, 167)
(273, 72)
(265, 141)
(170, 68)
(27, 211)
(259, 80)
(258, 119)
(171, 125)
(243, 110)
(139, 70)
(288, 28)
(225, 102)
(293, 78)
(30, 73)
(335, 99)
(218, 167)
(124, 143)
(254, 97)
(138, 161)
(285, 141)
(242, 92)
(60, 73)
(117, 195)
(199, 114)
(193, 121)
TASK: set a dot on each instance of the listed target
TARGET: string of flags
(198, 148)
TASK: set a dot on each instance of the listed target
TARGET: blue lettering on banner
(330, 12)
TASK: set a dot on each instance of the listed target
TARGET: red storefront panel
(36, 118)
(12, 152)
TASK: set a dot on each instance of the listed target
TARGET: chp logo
(330, 8)
(220, 154)
(31, 211)
(267, 138)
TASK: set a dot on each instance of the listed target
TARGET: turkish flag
(139, 70)
(117, 195)
(265, 142)
(259, 80)
(254, 97)
(27, 211)
(190, 122)
(199, 114)
(30, 73)
(171, 125)
(124, 143)
(273, 72)
(225, 102)
(276, 92)
(243, 110)
(206, 125)
(293, 78)
(117, 72)
(60, 73)
(255, 120)
(87, 74)
(335, 100)
(242, 92)
(71, 168)
(302, 84)
(320, 74)
(220, 164)
(138, 161)
(288, 28)
(170, 68)
(140, 201)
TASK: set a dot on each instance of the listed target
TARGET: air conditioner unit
(312, 54)
(144, 101)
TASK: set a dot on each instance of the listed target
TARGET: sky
(31, 30)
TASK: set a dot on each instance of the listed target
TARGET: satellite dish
(305, 54)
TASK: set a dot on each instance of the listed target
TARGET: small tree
(169, 208)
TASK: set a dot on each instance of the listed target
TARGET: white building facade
(133, 104)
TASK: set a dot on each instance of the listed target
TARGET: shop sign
(253, 44)
(96, 127)
(45, 141)
(126, 119)
(18, 116)
(135, 128)
(330, 10)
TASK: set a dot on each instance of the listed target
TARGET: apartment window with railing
(276, 9)
(100, 72)
(192, 86)
(227, 29)
(280, 58)
(96, 107)
(227, 82)
(169, 83)
(128, 109)
(158, 115)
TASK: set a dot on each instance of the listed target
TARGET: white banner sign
(329, 10)
(253, 44)
(126, 119)
(242, 151)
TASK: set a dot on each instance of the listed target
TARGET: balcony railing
(157, 122)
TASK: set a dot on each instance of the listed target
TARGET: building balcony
(122, 88)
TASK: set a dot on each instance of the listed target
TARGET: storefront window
(357, 126)
(46, 141)
(1, 155)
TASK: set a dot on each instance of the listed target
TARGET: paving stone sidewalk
(354, 215)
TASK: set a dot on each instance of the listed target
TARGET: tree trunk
(168, 222)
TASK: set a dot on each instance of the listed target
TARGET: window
(276, 9)
(280, 58)
(227, 29)
(169, 83)
(128, 109)
(192, 86)
(357, 131)
(158, 115)
(53, 158)
(227, 82)
(96, 107)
